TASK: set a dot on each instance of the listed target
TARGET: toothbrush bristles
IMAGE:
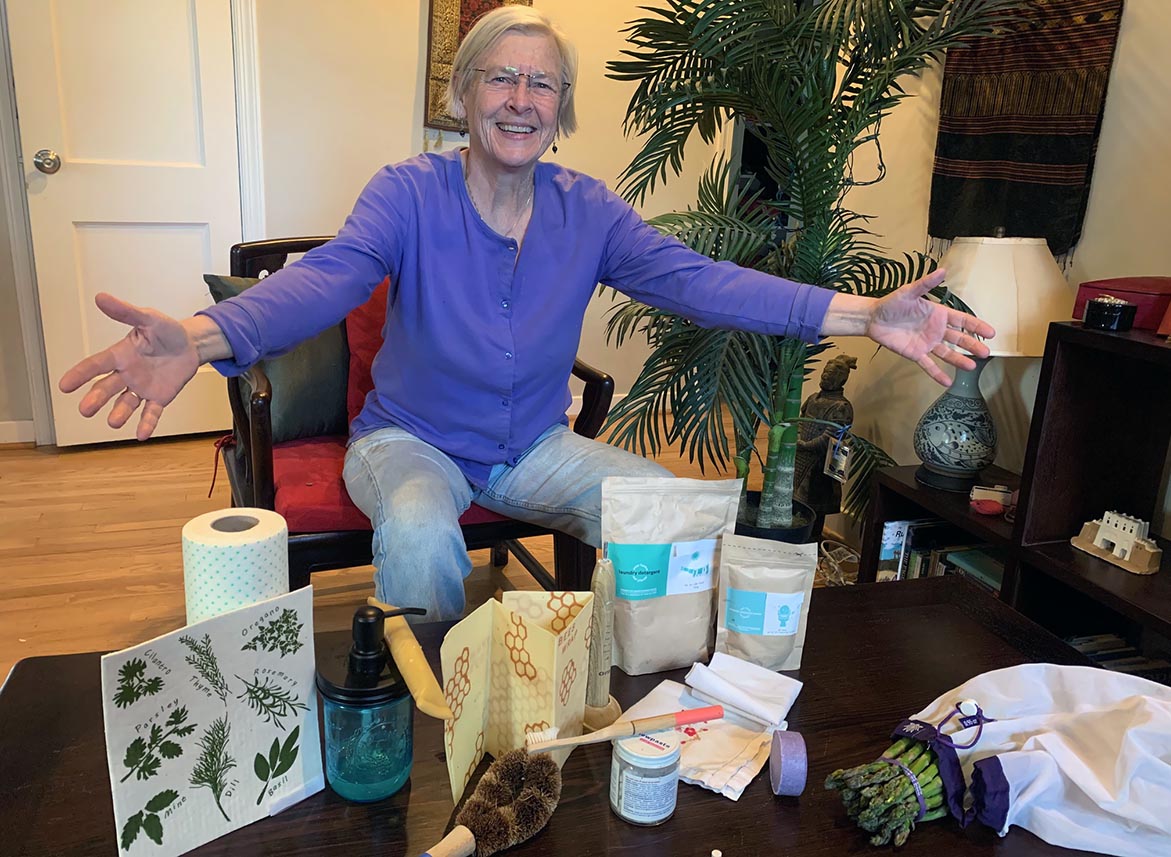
(541, 737)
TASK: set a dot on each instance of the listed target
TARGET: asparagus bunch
(881, 798)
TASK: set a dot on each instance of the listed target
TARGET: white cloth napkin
(724, 755)
(760, 693)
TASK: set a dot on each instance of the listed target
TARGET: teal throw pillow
(308, 383)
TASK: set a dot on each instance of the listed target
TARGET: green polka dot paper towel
(233, 558)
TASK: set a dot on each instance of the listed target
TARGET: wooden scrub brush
(511, 804)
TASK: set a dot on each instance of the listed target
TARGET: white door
(136, 98)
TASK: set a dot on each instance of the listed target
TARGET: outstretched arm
(148, 367)
(911, 326)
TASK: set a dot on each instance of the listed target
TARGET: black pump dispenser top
(368, 654)
(365, 674)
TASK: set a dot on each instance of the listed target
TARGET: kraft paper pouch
(662, 534)
(764, 600)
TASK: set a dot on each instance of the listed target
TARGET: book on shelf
(1116, 654)
(982, 566)
(913, 548)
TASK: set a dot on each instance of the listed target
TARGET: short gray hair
(489, 30)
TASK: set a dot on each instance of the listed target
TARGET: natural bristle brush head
(513, 801)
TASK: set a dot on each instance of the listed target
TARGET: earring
(554, 147)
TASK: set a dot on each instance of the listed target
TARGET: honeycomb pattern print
(515, 638)
(515, 711)
(528, 606)
(568, 676)
(564, 606)
(476, 757)
(455, 692)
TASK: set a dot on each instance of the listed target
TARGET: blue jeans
(414, 495)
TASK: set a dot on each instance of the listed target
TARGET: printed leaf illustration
(203, 659)
(288, 752)
(162, 800)
(268, 699)
(135, 753)
(143, 757)
(211, 770)
(280, 760)
(148, 820)
(153, 828)
(130, 830)
(133, 684)
(281, 634)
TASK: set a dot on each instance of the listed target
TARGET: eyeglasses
(507, 79)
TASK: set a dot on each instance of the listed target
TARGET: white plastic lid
(658, 750)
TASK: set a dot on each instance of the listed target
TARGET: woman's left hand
(912, 326)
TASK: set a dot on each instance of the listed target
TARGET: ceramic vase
(955, 438)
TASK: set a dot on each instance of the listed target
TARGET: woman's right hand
(148, 367)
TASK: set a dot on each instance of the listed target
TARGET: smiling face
(511, 127)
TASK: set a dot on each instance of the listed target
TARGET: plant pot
(798, 534)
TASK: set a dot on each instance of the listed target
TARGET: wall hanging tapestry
(449, 23)
(1019, 120)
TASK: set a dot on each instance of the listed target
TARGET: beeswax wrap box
(514, 667)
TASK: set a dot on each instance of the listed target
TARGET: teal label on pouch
(652, 571)
(640, 571)
(768, 614)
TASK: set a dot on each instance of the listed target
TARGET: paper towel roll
(233, 558)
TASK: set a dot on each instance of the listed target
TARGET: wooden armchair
(296, 469)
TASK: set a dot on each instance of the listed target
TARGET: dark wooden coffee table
(874, 654)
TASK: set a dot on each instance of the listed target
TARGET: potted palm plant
(812, 80)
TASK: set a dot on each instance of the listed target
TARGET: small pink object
(699, 715)
(987, 507)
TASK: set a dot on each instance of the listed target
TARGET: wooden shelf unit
(1098, 442)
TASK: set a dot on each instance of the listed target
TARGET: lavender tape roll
(788, 763)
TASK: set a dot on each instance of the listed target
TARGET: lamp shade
(1015, 285)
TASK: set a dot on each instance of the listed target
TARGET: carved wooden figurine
(812, 486)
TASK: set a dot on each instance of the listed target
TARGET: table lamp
(1016, 285)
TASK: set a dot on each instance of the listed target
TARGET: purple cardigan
(479, 342)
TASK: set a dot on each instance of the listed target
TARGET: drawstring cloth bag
(1079, 756)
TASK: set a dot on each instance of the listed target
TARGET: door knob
(47, 161)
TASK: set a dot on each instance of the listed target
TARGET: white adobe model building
(1119, 534)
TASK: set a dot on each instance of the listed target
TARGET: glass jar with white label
(644, 778)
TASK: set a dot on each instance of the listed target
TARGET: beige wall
(1124, 232)
(342, 94)
(341, 88)
(15, 400)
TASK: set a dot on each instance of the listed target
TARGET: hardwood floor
(90, 552)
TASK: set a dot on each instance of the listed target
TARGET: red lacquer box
(1152, 296)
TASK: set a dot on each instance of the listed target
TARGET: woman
(493, 257)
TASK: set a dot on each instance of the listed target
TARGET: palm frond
(813, 79)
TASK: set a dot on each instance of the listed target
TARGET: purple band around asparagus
(914, 784)
(788, 763)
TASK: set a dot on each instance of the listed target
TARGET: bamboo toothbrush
(546, 740)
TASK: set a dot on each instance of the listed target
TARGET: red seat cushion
(364, 337)
(312, 496)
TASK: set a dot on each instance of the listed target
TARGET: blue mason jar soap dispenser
(368, 712)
